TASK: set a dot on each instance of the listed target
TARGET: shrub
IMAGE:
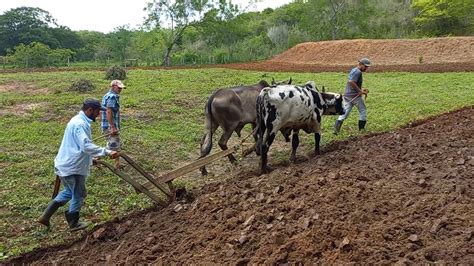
(115, 72)
(82, 85)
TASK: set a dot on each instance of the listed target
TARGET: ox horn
(324, 89)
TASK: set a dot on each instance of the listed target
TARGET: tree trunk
(166, 58)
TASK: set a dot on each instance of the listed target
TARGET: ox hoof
(266, 170)
(203, 171)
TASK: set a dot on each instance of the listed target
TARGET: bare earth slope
(411, 55)
(400, 196)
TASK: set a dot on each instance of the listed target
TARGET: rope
(108, 134)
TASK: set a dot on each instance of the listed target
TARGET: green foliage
(213, 31)
(82, 85)
(116, 72)
(444, 17)
(25, 25)
(39, 55)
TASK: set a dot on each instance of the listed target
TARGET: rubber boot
(337, 126)
(72, 219)
(49, 211)
(362, 125)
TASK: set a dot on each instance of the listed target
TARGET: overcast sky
(104, 15)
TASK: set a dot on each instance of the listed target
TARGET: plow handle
(57, 184)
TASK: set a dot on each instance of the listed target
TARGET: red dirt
(454, 54)
(404, 196)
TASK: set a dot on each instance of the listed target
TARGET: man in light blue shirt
(72, 164)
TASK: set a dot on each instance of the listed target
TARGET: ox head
(333, 104)
(283, 82)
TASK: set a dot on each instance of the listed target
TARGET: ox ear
(311, 84)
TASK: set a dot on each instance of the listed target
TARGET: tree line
(179, 32)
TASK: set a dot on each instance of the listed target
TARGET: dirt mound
(404, 196)
(453, 54)
(382, 52)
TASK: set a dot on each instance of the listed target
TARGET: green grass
(173, 102)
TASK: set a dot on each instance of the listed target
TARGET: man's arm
(110, 119)
(354, 86)
(86, 144)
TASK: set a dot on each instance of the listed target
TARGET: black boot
(337, 126)
(49, 211)
(362, 124)
(72, 219)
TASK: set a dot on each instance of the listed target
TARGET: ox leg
(295, 142)
(223, 144)
(317, 140)
(253, 147)
(264, 169)
(206, 145)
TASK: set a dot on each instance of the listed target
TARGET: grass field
(35, 107)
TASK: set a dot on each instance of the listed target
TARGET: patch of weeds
(82, 86)
(116, 72)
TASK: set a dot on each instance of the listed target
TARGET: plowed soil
(403, 196)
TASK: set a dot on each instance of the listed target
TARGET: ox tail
(260, 124)
(206, 142)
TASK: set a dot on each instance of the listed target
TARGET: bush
(116, 72)
(82, 85)
(37, 54)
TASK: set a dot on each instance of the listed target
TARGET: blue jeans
(74, 190)
(359, 103)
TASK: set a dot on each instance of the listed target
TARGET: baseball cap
(94, 103)
(118, 83)
(365, 62)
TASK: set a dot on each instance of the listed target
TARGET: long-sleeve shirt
(77, 150)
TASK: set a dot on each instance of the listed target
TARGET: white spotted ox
(292, 107)
(231, 109)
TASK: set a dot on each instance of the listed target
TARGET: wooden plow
(153, 186)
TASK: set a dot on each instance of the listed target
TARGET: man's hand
(365, 92)
(113, 131)
(114, 154)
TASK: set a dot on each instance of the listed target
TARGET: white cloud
(104, 15)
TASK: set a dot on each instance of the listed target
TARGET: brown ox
(232, 109)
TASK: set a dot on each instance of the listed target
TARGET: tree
(179, 14)
(91, 41)
(25, 25)
(444, 17)
(118, 42)
(37, 54)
